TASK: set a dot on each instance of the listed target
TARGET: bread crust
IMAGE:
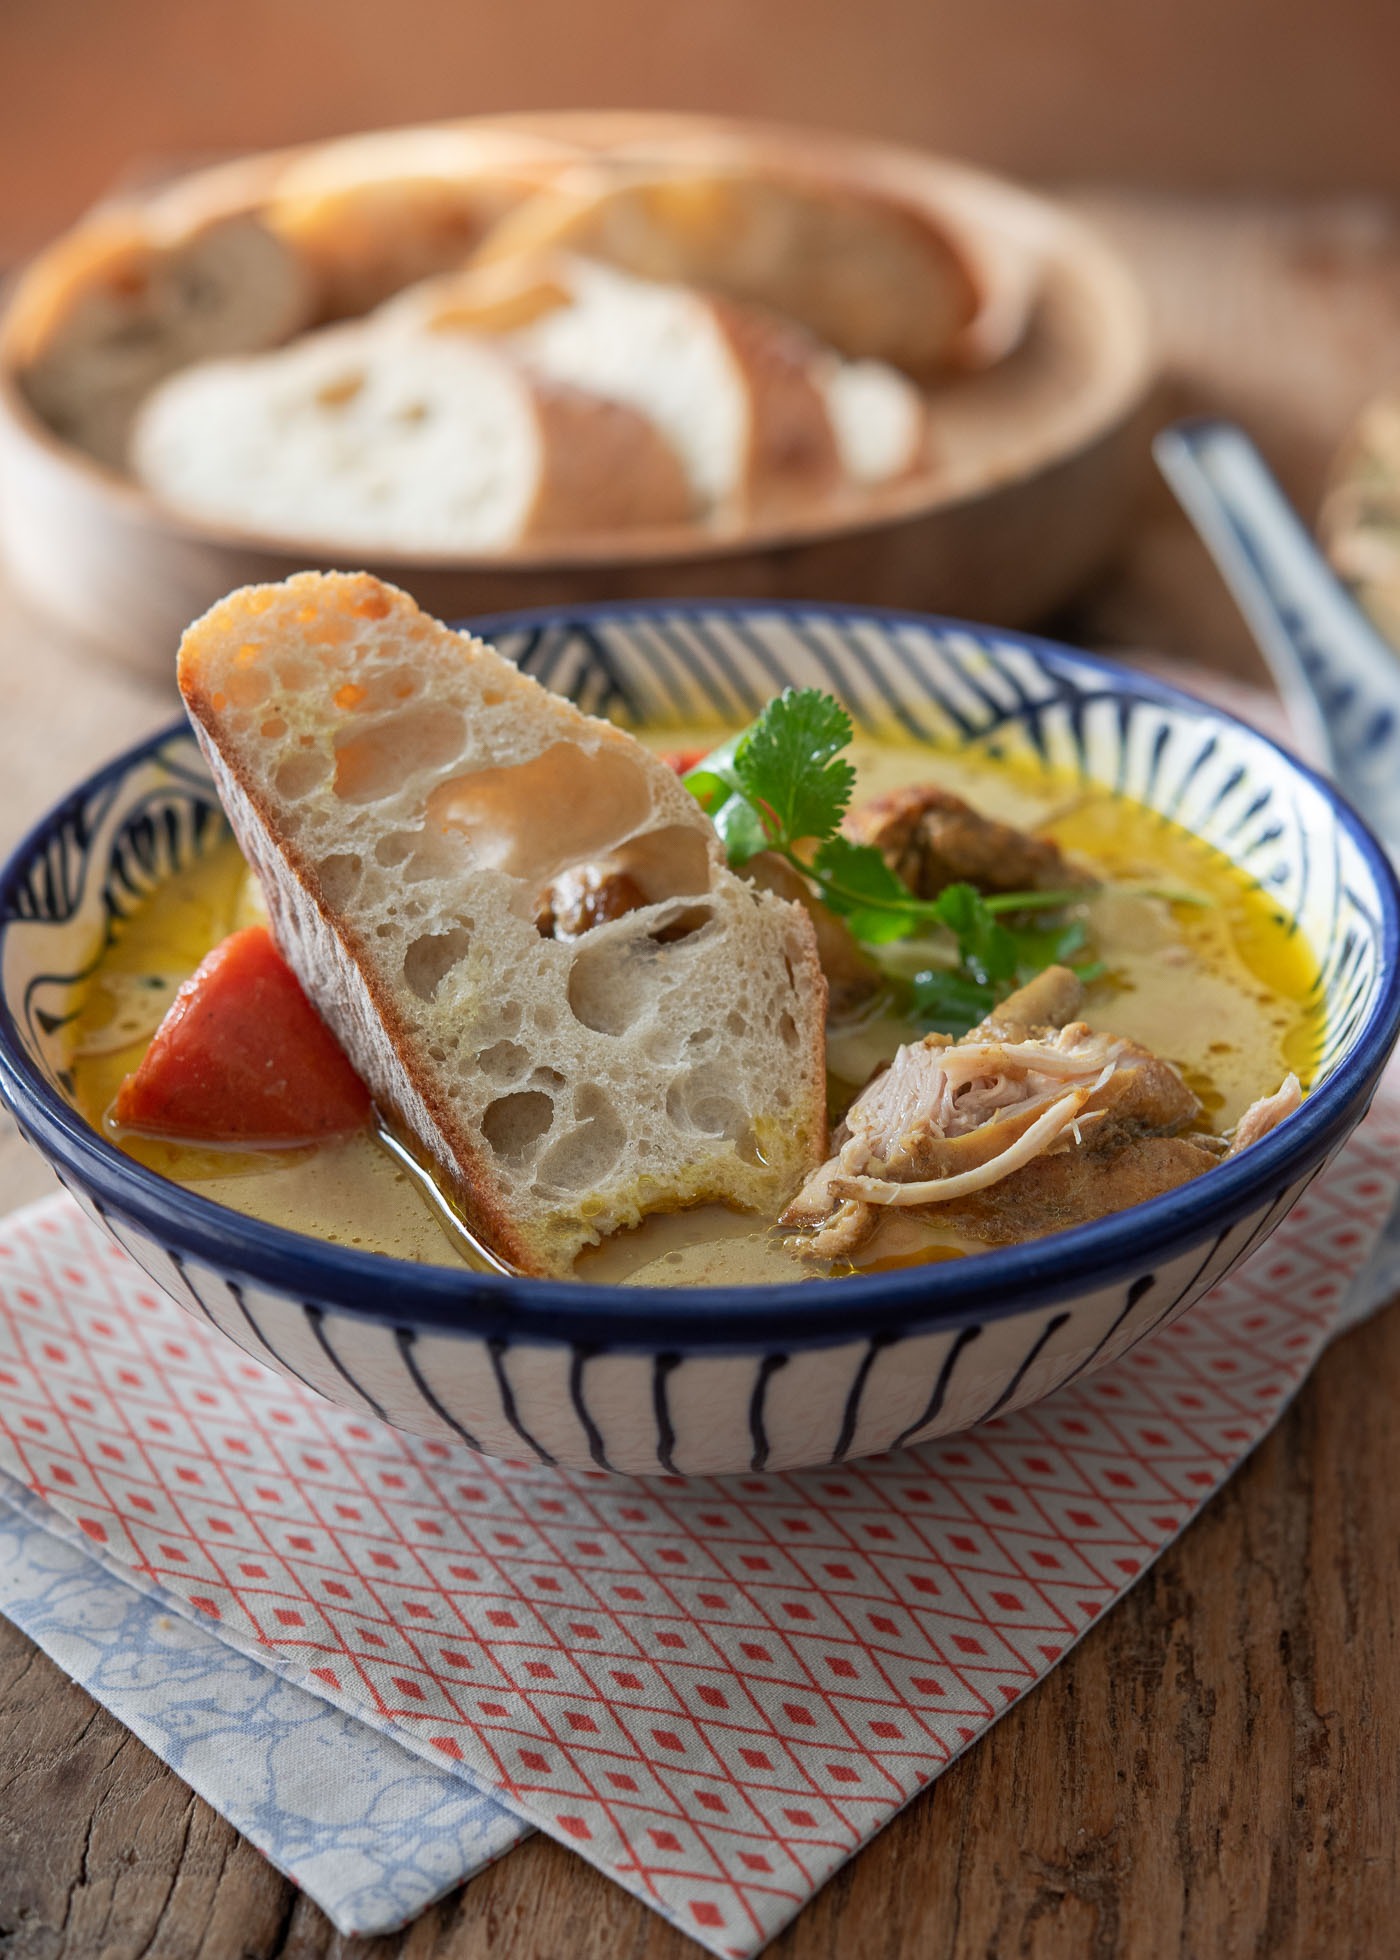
(372, 214)
(322, 951)
(336, 965)
(792, 455)
(607, 468)
(870, 274)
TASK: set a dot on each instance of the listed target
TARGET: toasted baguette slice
(126, 301)
(371, 214)
(419, 444)
(874, 278)
(405, 795)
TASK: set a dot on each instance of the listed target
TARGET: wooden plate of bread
(508, 362)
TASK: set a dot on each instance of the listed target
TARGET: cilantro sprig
(992, 962)
(783, 785)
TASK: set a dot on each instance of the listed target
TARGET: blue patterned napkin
(370, 1832)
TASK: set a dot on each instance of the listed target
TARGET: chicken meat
(1031, 1123)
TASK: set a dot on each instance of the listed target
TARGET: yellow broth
(1248, 977)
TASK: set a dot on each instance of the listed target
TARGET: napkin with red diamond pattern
(713, 1690)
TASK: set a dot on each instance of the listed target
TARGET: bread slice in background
(371, 214)
(765, 420)
(875, 278)
(731, 390)
(405, 796)
(526, 401)
(126, 300)
(379, 442)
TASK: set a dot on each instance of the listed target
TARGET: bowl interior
(117, 836)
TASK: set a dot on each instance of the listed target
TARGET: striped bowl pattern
(715, 1381)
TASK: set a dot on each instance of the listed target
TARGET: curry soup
(1199, 966)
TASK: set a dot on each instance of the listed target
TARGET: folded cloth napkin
(371, 1832)
(715, 1691)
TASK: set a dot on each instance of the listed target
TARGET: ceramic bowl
(713, 1381)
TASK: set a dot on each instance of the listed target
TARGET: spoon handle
(1339, 678)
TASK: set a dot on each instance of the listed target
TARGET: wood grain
(1215, 1771)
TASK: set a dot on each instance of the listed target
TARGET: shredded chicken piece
(1020, 1128)
(1266, 1114)
(1038, 1136)
(936, 1093)
(844, 1232)
(1050, 1000)
(1073, 1187)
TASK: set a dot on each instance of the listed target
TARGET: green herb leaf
(1036, 901)
(708, 788)
(855, 881)
(987, 949)
(717, 763)
(715, 787)
(786, 765)
(782, 783)
(946, 999)
(1039, 947)
(741, 830)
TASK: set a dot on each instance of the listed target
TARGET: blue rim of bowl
(988, 1286)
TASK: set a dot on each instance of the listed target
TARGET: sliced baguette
(732, 389)
(404, 794)
(764, 419)
(127, 300)
(875, 278)
(390, 442)
(371, 214)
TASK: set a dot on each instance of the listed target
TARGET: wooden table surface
(1215, 1770)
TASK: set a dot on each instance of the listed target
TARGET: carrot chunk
(243, 1057)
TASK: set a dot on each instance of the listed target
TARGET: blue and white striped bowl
(712, 1381)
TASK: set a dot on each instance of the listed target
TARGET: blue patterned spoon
(1339, 678)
